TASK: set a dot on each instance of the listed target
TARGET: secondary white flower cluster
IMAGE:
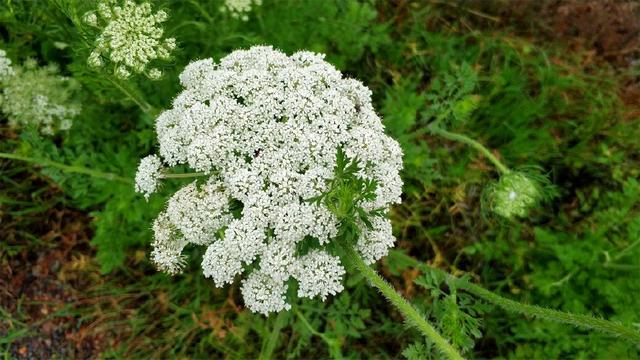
(240, 9)
(266, 127)
(131, 37)
(6, 69)
(148, 174)
(36, 96)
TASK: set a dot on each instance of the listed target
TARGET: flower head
(37, 96)
(131, 37)
(239, 9)
(154, 74)
(6, 70)
(266, 128)
(91, 19)
(148, 174)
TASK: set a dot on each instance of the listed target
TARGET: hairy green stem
(474, 144)
(67, 168)
(270, 345)
(553, 315)
(627, 250)
(410, 313)
(131, 94)
(580, 320)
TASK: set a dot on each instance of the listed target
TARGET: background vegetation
(548, 84)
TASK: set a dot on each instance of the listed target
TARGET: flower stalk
(474, 144)
(410, 313)
(182, 175)
(134, 96)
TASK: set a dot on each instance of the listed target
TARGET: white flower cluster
(37, 96)
(239, 9)
(131, 37)
(148, 174)
(266, 128)
(5, 66)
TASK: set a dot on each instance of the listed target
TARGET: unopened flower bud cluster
(131, 37)
(514, 195)
(36, 96)
(240, 9)
(265, 128)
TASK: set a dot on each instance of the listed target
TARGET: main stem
(270, 345)
(67, 168)
(474, 144)
(410, 313)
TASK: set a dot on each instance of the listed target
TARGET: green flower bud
(514, 195)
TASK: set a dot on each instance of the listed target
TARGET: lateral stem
(474, 144)
(67, 168)
(182, 176)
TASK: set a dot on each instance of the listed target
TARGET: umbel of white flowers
(131, 37)
(6, 70)
(240, 9)
(36, 96)
(265, 128)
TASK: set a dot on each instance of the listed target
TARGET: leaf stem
(67, 168)
(474, 144)
(410, 313)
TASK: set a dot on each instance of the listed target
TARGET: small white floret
(263, 294)
(318, 274)
(148, 174)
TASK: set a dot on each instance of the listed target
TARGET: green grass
(531, 102)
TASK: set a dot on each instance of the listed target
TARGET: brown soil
(606, 30)
(44, 263)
